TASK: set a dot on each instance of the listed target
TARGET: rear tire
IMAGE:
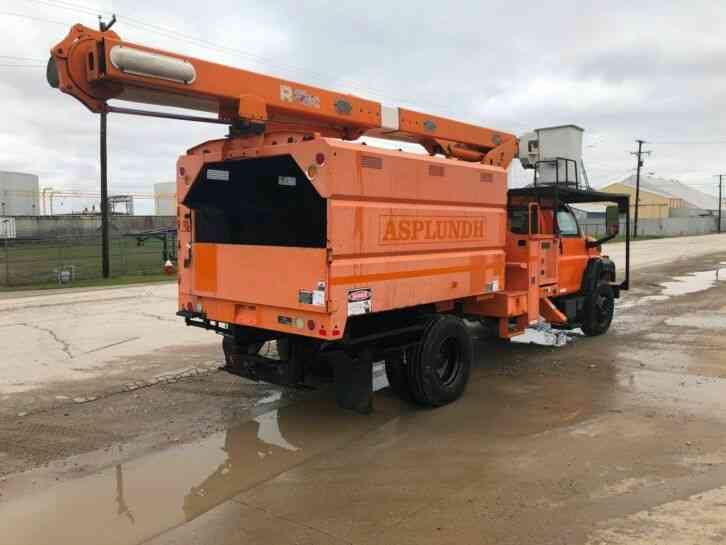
(599, 310)
(439, 370)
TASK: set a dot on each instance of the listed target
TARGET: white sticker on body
(359, 307)
(319, 298)
(218, 175)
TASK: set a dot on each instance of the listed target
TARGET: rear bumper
(216, 315)
(199, 319)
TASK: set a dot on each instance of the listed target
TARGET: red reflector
(311, 325)
(190, 307)
(336, 332)
(320, 158)
(322, 332)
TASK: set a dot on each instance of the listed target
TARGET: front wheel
(439, 370)
(599, 309)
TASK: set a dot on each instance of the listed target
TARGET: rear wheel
(599, 309)
(439, 370)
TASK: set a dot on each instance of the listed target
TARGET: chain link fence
(72, 259)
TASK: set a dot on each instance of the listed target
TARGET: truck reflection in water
(271, 443)
(246, 445)
(123, 508)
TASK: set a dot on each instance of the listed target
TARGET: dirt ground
(609, 440)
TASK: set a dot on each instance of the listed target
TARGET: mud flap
(354, 381)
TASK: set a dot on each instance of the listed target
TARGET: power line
(21, 58)
(206, 44)
(81, 194)
(690, 143)
(200, 42)
(70, 6)
(32, 18)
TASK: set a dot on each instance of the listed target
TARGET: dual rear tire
(436, 370)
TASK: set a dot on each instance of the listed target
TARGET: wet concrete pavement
(91, 343)
(617, 439)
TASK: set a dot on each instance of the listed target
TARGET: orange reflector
(312, 171)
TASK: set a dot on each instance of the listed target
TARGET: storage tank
(19, 194)
(165, 199)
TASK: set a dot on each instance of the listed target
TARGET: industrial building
(19, 194)
(662, 198)
(165, 199)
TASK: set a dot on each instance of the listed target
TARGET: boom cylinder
(96, 66)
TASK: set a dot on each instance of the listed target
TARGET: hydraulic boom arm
(97, 66)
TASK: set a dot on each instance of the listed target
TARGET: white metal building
(165, 199)
(19, 194)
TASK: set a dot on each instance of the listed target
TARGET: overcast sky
(623, 70)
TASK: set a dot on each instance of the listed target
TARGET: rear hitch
(260, 368)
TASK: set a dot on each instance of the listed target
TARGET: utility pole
(720, 201)
(639, 154)
(105, 258)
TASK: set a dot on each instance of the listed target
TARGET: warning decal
(360, 301)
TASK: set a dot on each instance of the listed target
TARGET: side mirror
(612, 220)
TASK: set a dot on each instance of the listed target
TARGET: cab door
(548, 256)
(573, 253)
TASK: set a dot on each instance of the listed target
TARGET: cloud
(623, 70)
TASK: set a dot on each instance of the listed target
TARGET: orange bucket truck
(290, 229)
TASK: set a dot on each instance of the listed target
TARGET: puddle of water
(691, 392)
(694, 282)
(132, 502)
(679, 285)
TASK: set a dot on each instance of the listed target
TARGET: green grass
(36, 264)
(97, 282)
